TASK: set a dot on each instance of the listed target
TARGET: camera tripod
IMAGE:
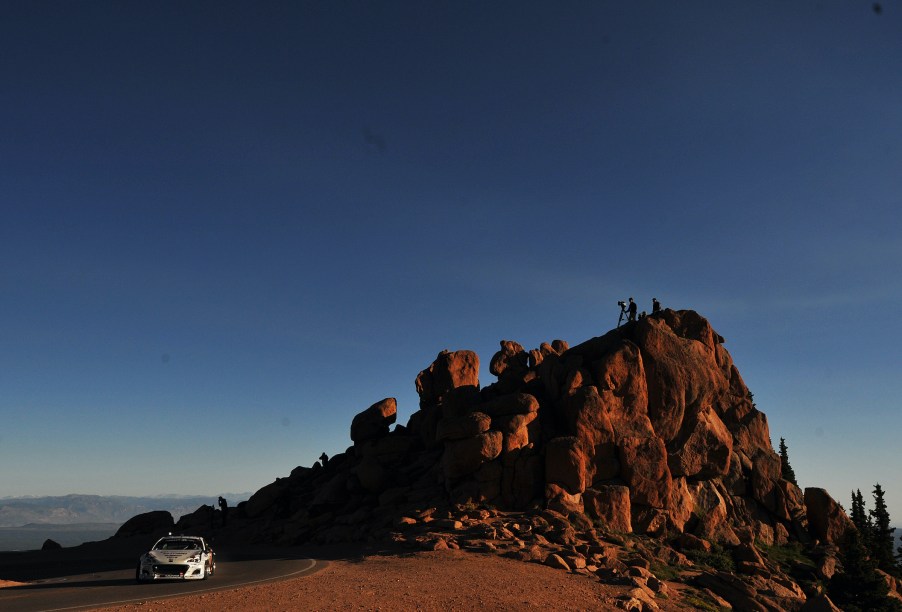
(624, 315)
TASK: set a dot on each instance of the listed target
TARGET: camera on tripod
(623, 313)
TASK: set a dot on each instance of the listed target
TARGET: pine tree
(786, 471)
(859, 516)
(861, 519)
(882, 538)
(858, 587)
(857, 513)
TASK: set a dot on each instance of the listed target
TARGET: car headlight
(194, 559)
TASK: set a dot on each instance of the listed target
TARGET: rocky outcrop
(51, 545)
(648, 429)
(374, 422)
(157, 521)
(651, 420)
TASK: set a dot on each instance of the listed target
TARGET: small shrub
(719, 558)
(664, 572)
(786, 556)
(696, 600)
(467, 506)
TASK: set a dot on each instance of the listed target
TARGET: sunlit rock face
(647, 429)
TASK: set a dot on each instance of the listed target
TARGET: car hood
(173, 556)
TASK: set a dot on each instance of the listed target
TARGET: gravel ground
(440, 580)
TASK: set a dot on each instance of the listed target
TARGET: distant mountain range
(77, 509)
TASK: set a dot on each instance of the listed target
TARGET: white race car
(177, 558)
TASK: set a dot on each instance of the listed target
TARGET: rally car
(177, 558)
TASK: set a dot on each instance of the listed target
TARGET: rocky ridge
(635, 456)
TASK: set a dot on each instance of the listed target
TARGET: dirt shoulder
(434, 580)
(9, 583)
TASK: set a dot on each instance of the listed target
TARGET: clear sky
(229, 227)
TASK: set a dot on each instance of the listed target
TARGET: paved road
(114, 587)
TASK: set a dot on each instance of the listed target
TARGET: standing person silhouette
(224, 507)
(655, 305)
(632, 310)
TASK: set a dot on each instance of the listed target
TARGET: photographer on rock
(627, 311)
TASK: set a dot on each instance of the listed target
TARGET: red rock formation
(648, 428)
(657, 406)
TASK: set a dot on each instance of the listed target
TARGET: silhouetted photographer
(627, 311)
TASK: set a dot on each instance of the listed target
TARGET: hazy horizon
(147, 495)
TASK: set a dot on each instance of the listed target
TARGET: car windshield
(177, 545)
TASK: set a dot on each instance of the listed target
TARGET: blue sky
(229, 227)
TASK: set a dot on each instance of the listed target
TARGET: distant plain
(33, 536)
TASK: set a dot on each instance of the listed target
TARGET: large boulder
(512, 361)
(565, 464)
(537, 356)
(203, 517)
(789, 502)
(264, 498)
(466, 426)
(702, 448)
(766, 469)
(459, 401)
(523, 478)
(681, 504)
(51, 545)
(620, 378)
(643, 465)
(463, 457)
(332, 493)
(714, 509)
(156, 521)
(520, 430)
(586, 419)
(371, 475)
(610, 505)
(827, 521)
(374, 422)
(450, 370)
(513, 403)
(681, 368)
